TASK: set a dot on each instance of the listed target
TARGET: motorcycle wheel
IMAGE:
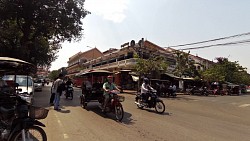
(32, 133)
(140, 106)
(119, 113)
(160, 107)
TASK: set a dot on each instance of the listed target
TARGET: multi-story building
(201, 63)
(75, 62)
(42, 71)
(122, 61)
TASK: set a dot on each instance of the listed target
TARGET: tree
(184, 65)
(225, 70)
(53, 74)
(151, 67)
(32, 30)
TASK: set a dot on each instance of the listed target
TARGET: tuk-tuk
(15, 109)
(96, 79)
(95, 93)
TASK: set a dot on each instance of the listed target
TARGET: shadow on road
(153, 111)
(94, 107)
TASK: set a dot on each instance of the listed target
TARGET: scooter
(69, 92)
(152, 101)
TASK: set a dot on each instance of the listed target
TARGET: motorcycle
(69, 92)
(171, 92)
(199, 91)
(153, 101)
(204, 91)
(18, 119)
(114, 105)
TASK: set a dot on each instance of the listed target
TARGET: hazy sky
(165, 23)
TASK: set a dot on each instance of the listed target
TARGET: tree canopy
(151, 67)
(54, 74)
(184, 65)
(32, 30)
(224, 70)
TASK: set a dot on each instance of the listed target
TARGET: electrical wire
(222, 44)
(223, 38)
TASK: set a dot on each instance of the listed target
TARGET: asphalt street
(187, 118)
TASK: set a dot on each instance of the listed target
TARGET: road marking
(244, 105)
(65, 136)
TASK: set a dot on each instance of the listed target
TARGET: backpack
(60, 88)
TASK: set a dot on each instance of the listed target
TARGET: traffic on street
(187, 117)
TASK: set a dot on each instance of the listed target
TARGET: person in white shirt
(58, 87)
(145, 87)
(53, 91)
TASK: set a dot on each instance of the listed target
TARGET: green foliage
(151, 67)
(32, 30)
(228, 71)
(53, 74)
(184, 66)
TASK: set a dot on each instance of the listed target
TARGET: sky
(165, 23)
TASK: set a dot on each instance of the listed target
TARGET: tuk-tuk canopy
(95, 72)
(16, 66)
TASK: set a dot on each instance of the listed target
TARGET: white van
(25, 83)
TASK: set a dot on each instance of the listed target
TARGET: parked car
(25, 84)
(38, 85)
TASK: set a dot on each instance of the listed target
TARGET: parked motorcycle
(114, 105)
(18, 120)
(153, 101)
(204, 91)
(199, 91)
(69, 92)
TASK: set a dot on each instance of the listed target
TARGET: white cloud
(109, 9)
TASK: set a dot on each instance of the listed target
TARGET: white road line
(65, 136)
(244, 105)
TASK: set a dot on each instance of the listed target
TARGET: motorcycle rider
(68, 84)
(145, 87)
(86, 87)
(108, 87)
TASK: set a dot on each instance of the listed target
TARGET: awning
(188, 78)
(171, 75)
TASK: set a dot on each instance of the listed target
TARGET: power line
(223, 38)
(230, 43)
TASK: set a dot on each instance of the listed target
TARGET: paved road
(187, 118)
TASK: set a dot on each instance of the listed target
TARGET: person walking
(53, 91)
(58, 86)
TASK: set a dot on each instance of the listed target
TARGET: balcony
(117, 64)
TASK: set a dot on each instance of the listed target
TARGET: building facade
(122, 61)
(75, 62)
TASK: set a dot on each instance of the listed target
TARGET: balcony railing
(117, 64)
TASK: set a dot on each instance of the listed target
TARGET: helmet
(145, 80)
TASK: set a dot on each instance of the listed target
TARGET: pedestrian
(53, 91)
(58, 86)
